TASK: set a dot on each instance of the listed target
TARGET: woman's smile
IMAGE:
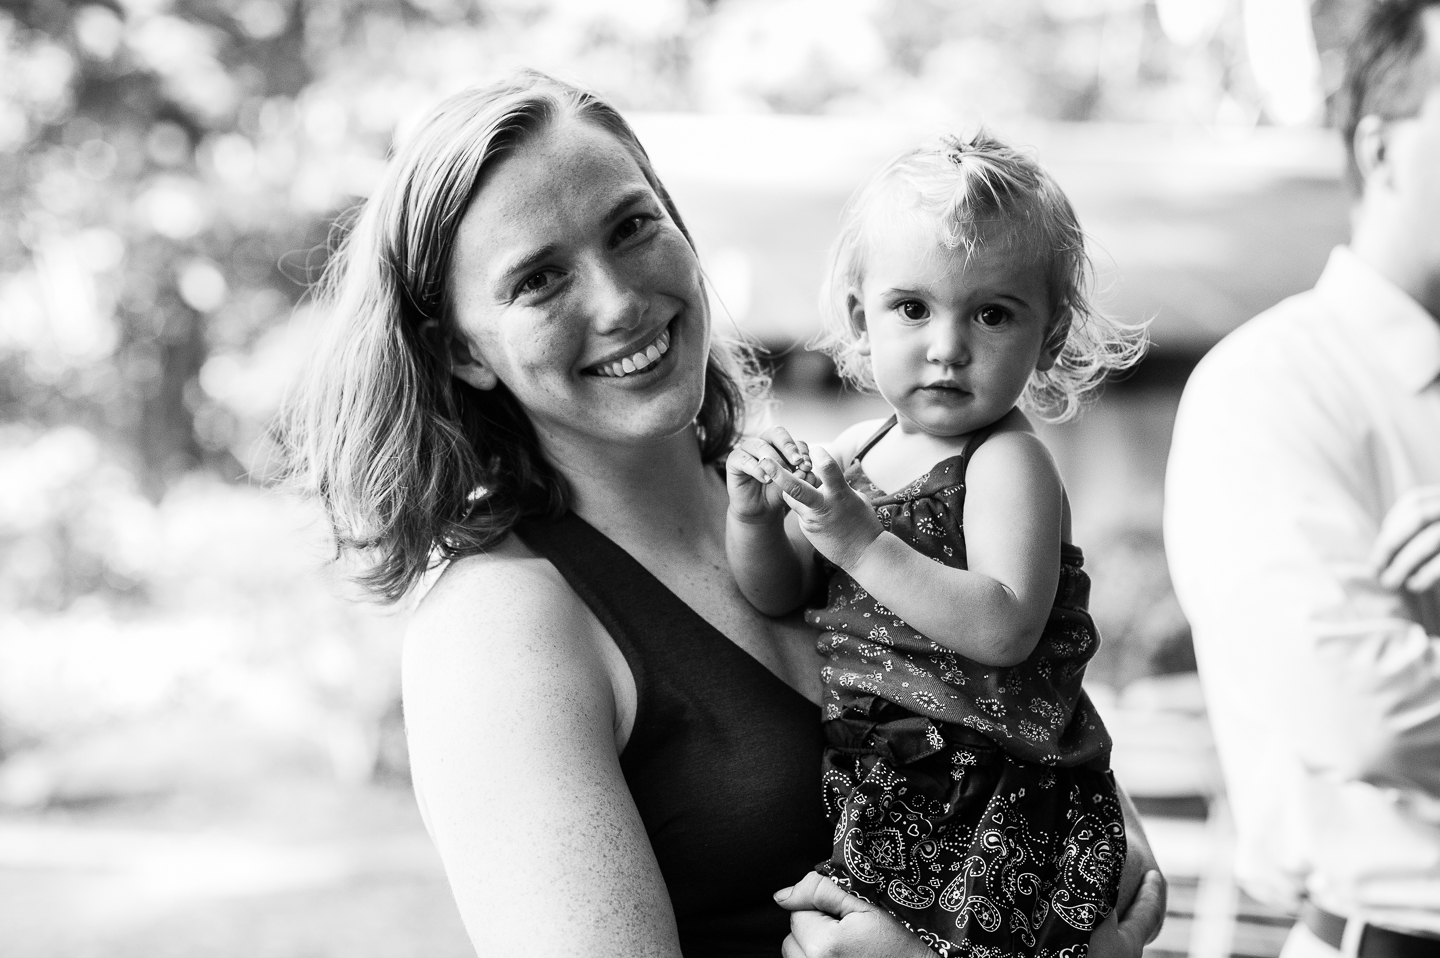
(630, 363)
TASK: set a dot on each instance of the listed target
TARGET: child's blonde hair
(984, 192)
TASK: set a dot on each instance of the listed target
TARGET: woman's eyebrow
(628, 199)
(524, 264)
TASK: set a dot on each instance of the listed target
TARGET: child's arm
(992, 612)
(773, 567)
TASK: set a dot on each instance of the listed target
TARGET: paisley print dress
(974, 803)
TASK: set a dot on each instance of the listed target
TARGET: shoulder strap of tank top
(879, 434)
(639, 612)
(977, 438)
(620, 591)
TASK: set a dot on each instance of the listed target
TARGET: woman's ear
(856, 309)
(469, 368)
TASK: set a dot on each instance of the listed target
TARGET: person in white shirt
(1302, 523)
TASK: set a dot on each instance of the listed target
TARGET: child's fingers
(828, 470)
(797, 489)
(794, 451)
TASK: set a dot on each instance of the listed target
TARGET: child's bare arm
(773, 566)
(992, 612)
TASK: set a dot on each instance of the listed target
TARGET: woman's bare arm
(511, 717)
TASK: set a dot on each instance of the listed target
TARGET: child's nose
(948, 345)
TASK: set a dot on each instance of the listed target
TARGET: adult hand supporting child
(825, 922)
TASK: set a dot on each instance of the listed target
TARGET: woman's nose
(615, 300)
(948, 346)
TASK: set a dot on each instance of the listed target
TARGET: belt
(1374, 941)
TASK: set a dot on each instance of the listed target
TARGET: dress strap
(879, 434)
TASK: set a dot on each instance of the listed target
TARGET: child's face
(952, 339)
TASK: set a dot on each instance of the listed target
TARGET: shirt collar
(1390, 323)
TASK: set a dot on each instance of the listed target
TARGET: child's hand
(751, 469)
(836, 519)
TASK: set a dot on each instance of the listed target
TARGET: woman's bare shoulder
(507, 601)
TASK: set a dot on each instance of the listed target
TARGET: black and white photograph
(720, 478)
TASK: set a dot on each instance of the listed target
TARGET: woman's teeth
(643, 359)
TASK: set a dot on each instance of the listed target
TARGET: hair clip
(956, 152)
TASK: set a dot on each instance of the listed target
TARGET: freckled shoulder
(508, 581)
(507, 612)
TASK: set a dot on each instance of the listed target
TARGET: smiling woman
(614, 752)
(567, 275)
(452, 467)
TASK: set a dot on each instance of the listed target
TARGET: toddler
(966, 771)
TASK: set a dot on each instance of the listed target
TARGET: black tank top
(724, 759)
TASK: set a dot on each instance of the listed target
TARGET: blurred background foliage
(170, 173)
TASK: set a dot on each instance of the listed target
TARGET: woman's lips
(637, 361)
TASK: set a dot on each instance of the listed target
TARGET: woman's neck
(655, 491)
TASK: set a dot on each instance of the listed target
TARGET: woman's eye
(537, 282)
(631, 227)
(913, 309)
(992, 315)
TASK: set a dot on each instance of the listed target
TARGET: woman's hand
(1137, 927)
(825, 922)
(1140, 910)
(838, 521)
(752, 467)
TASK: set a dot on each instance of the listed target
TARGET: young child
(965, 769)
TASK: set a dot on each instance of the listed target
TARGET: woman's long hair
(411, 464)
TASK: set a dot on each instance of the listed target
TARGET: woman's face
(573, 287)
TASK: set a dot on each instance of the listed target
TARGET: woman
(614, 753)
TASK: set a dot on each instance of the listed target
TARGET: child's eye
(992, 315)
(913, 309)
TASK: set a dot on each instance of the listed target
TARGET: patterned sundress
(974, 803)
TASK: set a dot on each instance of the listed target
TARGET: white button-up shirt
(1294, 437)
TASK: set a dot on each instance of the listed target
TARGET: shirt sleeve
(1273, 501)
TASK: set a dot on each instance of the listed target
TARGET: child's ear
(856, 309)
(468, 367)
(1054, 343)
